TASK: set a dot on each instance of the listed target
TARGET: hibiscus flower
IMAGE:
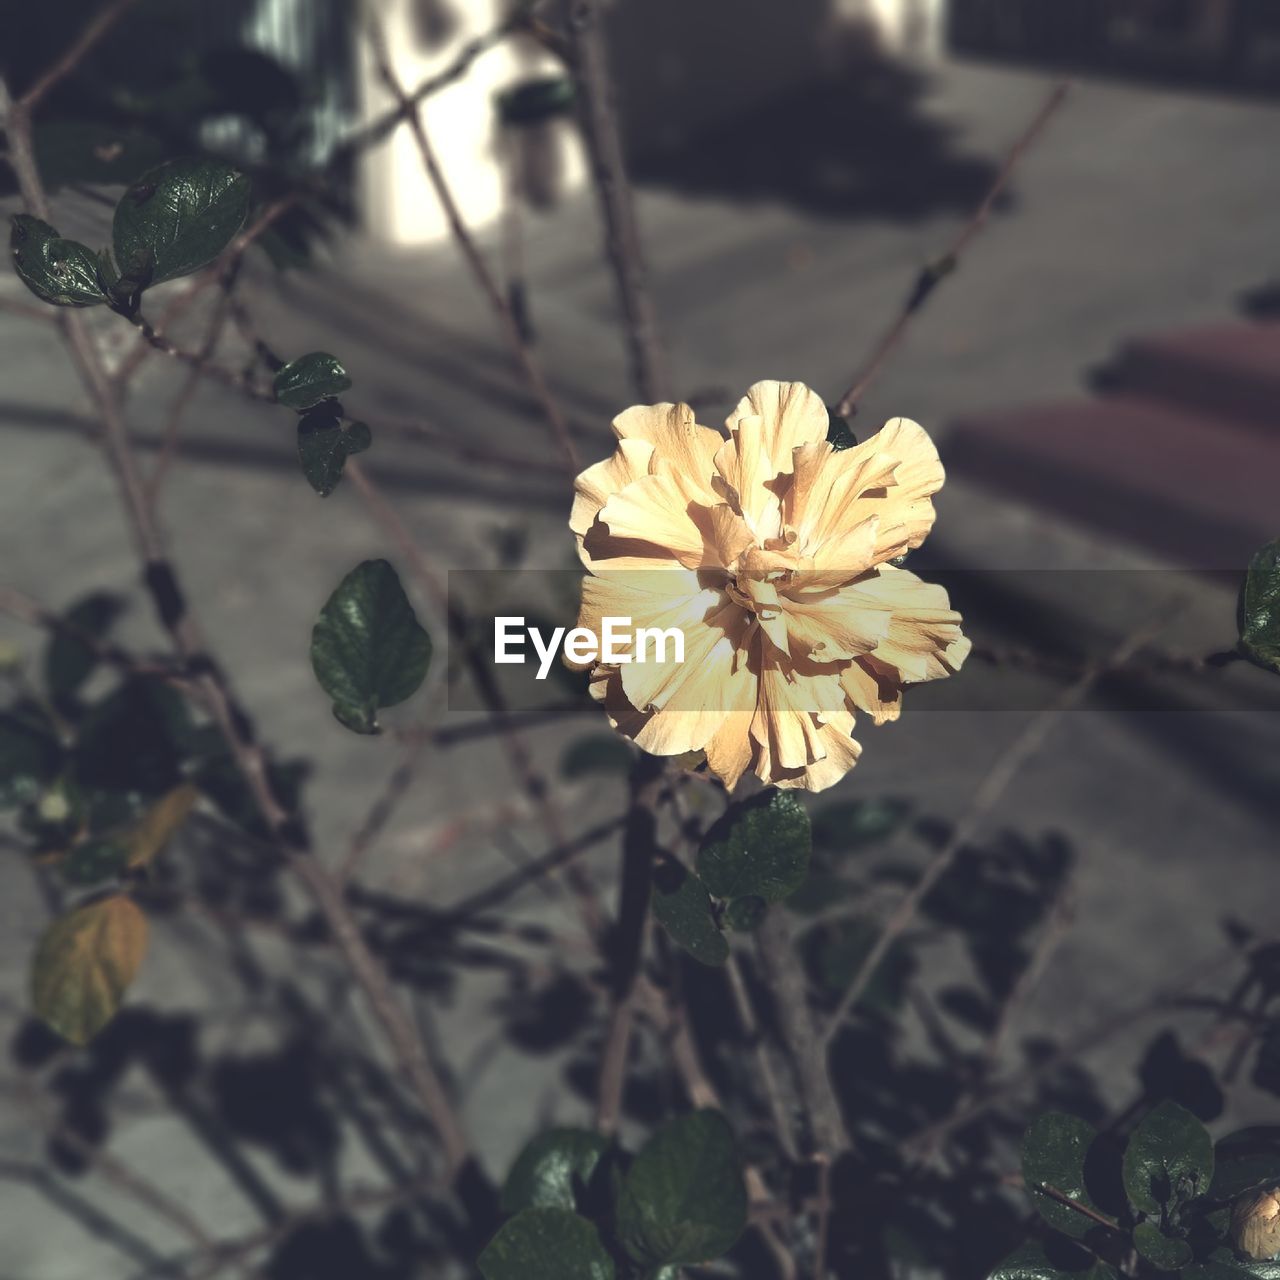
(771, 552)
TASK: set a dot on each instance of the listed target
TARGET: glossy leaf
(684, 1200)
(1054, 1150)
(309, 379)
(62, 272)
(1033, 1262)
(1260, 608)
(553, 1169)
(546, 1244)
(177, 218)
(760, 847)
(367, 649)
(839, 434)
(325, 443)
(1220, 1270)
(1160, 1250)
(1169, 1159)
(596, 753)
(745, 914)
(683, 908)
(83, 965)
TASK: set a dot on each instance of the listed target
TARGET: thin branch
(785, 977)
(168, 597)
(76, 52)
(588, 59)
(933, 274)
(985, 798)
(470, 251)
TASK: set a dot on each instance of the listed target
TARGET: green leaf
(596, 753)
(683, 908)
(1260, 608)
(62, 272)
(68, 660)
(367, 648)
(536, 100)
(29, 759)
(684, 1200)
(1053, 1153)
(852, 825)
(84, 963)
(177, 218)
(745, 914)
(552, 1169)
(325, 444)
(91, 151)
(1169, 1159)
(839, 434)
(1032, 1262)
(1246, 1160)
(309, 379)
(1214, 1270)
(1160, 1250)
(546, 1244)
(760, 847)
(94, 860)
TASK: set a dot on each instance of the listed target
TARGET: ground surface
(1139, 211)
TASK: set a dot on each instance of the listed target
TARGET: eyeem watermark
(616, 642)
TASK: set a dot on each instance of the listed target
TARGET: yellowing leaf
(158, 825)
(84, 963)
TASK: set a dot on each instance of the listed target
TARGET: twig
(470, 251)
(76, 52)
(985, 798)
(933, 274)
(588, 59)
(1062, 1198)
(380, 813)
(785, 978)
(627, 941)
(167, 595)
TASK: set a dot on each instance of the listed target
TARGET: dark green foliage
(62, 272)
(839, 434)
(177, 218)
(1034, 1261)
(1259, 610)
(1053, 1154)
(553, 1170)
(325, 442)
(684, 1200)
(1244, 1161)
(367, 649)
(745, 914)
(1166, 1252)
(546, 1244)
(91, 151)
(850, 826)
(760, 847)
(30, 755)
(309, 379)
(683, 908)
(537, 100)
(1169, 1159)
(596, 753)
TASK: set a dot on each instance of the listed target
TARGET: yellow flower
(768, 551)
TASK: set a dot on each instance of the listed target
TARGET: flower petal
(789, 415)
(681, 448)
